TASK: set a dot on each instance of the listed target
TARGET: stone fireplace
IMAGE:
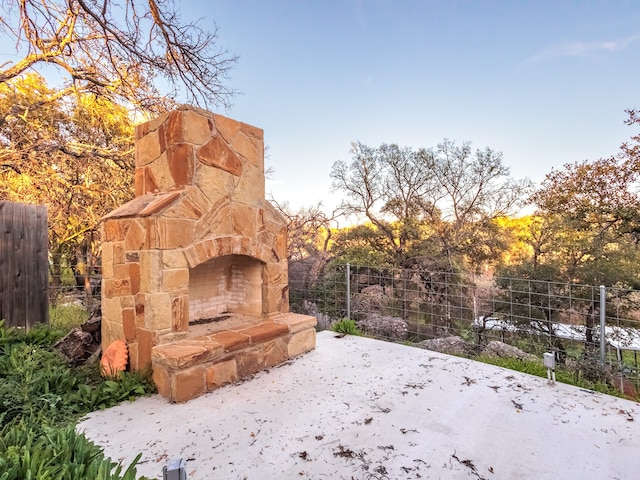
(195, 267)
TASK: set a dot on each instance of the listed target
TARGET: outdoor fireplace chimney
(199, 240)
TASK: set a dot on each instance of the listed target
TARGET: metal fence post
(603, 305)
(348, 291)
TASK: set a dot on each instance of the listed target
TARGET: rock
(310, 308)
(450, 345)
(368, 302)
(81, 343)
(502, 350)
(92, 325)
(388, 327)
(114, 359)
(76, 346)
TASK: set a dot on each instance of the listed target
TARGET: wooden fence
(23, 264)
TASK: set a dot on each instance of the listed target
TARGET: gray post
(348, 292)
(603, 308)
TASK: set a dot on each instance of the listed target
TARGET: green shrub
(347, 327)
(40, 335)
(41, 398)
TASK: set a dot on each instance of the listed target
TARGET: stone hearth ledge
(188, 368)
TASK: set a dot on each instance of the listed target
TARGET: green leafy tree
(68, 143)
(430, 213)
(585, 233)
(75, 155)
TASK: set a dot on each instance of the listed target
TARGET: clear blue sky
(544, 82)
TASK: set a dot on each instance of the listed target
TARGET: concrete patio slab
(357, 408)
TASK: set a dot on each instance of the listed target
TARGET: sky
(544, 82)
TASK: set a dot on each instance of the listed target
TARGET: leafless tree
(119, 50)
(450, 193)
(309, 229)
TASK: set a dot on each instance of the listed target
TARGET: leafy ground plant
(346, 326)
(41, 398)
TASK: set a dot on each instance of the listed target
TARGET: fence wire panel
(74, 294)
(534, 316)
(622, 318)
(416, 306)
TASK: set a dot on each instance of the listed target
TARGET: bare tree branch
(118, 50)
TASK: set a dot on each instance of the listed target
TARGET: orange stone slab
(296, 322)
(216, 153)
(275, 352)
(185, 354)
(188, 384)
(266, 331)
(232, 341)
(162, 379)
(250, 361)
(221, 374)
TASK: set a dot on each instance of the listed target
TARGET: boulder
(502, 350)
(369, 301)
(375, 325)
(450, 345)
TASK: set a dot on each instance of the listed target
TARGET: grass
(42, 398)
(584, 377)
(65, 317)
(539, 370)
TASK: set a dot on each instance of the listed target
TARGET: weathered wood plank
(6, 262)
(17, 278)
(23, 264)
(41, 288)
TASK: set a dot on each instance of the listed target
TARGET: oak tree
(585, 233)
(75, 157)
(83, 71)
(430, 207)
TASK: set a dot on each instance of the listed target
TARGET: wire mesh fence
(416, 306)
(592, 330)
(74, 294)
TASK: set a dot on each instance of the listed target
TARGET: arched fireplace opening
(224, 286)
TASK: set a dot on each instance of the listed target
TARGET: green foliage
(362, 245)
(346, 326)
(39, 335)
(586, 228)
(40, 400)
(66, 317)
(432, 208)
(36, 380)
(55, 453)
(128, 386)
(73, 154)
(525, 366)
